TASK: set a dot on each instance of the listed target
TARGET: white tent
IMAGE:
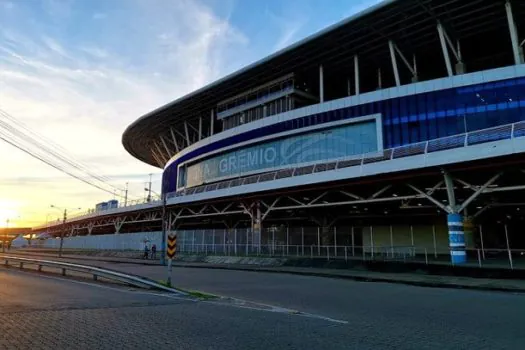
(43, 235)
(19, 242)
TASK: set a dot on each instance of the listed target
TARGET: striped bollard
(456, 239)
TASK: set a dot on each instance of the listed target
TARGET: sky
(78, 72)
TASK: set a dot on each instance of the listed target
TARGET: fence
(423, 243)
(430, 245)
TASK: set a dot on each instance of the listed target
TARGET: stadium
(398, 130)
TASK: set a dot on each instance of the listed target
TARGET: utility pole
(62, 233)
(126, 195)
(5, 235)
(164, 229)
(149, 189)
(64, 220)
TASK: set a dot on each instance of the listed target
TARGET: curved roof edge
(276, 54)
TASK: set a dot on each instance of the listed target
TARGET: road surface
(42, 312)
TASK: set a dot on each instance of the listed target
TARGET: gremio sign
(337, 142)
(246, 160)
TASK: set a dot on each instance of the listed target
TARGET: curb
(364, 278)
(321, 274)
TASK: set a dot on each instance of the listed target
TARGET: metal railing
(503, 132)
(95, 272)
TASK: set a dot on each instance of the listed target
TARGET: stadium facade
(410, 113)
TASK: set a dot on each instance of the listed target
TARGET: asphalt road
(41, 312)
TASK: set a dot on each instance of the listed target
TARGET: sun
(8, 212)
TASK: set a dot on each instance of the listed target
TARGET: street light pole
(149, 189)
(5, 235)
(64, 220)
(62, 233)
(163, 244)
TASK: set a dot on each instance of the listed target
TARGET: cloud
(288, 26)
(82, 91)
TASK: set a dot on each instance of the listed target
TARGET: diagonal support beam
(169, 151)
(444, 49)
(174, 140)
(430, 198)
(478, 192)
(394, 62)
(518, 59)
(411, 68)
(160, 152)
(296, 200)
(380, 192)
(157, 159)
(318, 198)
(188, 142)
(351, 195)
(270, 208)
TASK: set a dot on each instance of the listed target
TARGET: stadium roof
(411, 24)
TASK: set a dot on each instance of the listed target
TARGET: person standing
(146, 251)
(153, 251)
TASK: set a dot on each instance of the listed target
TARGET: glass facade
(448, 112)
(331, 143)
(406, 120)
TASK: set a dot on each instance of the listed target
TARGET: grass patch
(164, 283)
(199, 295)
(193, 293)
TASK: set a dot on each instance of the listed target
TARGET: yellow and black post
(172, 249)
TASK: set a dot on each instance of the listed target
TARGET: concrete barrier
(124, 241)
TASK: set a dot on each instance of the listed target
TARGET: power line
(52, 165)
(49, 153)
(63, 157)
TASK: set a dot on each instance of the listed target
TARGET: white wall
(125, 241)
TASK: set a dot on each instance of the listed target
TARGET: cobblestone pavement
(50, 313)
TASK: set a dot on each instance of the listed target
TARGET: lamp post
(64, 219)
(7, 221)
(5, 235)
(149, 189)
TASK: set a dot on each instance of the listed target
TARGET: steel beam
(394, 62)
(444, 49)
(200, 128)
(356, 74)
(170, 153)
(188, 142)
(174, 140)
(513, 34)
(321, 84)
(478, 192)
(212, 122)
(430, 198)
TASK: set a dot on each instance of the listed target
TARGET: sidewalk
(153, 270)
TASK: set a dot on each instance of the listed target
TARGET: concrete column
(456, 239)
(321, 84)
